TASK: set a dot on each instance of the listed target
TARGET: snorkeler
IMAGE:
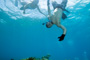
(33, 4)
(55, 18)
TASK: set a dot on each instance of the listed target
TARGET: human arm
(48, 5)
(40, 11)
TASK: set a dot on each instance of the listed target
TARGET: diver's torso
(56, 15)
(33, 4)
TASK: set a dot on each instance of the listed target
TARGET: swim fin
(61, 37)
(64, 16)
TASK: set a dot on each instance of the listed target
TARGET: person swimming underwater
(33, 4)
(55, 18)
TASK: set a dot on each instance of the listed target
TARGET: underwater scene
(23, 36)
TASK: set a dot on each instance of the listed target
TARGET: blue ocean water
(23, 35)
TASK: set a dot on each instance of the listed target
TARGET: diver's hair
(48, 24)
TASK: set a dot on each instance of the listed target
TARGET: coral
(31, 58)
(12, 59)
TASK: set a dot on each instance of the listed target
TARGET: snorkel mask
(48, 24)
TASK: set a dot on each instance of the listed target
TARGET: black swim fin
(66, 10)
(64, 16)
(61, 37)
